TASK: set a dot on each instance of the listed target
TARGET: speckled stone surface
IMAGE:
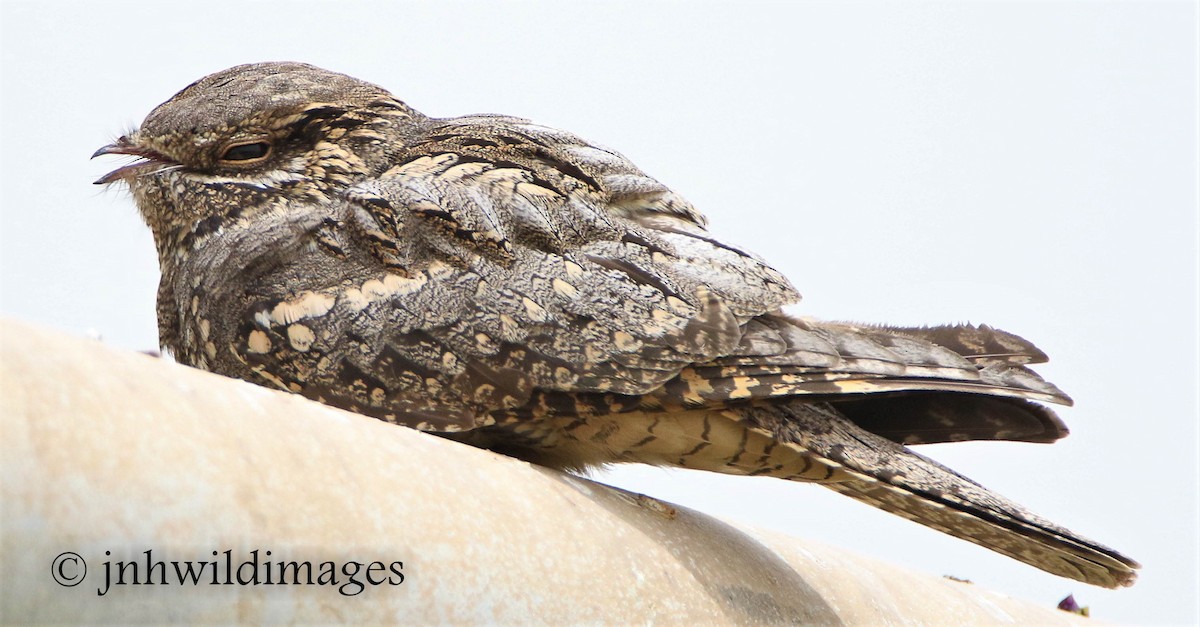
(109, 454)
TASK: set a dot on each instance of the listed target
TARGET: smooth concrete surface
(109, 454)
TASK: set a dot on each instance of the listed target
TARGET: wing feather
(562, 261)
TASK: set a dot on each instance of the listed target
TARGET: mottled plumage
(516, 287)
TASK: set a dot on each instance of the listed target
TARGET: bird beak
(119, 147)
(148, 160)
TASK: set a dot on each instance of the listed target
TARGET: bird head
(251, 139)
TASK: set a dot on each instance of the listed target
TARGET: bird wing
(505, 266)
(533, 263)
(895, 382)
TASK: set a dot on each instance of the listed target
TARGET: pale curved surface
(104, 450)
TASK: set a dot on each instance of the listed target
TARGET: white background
(1030, 165)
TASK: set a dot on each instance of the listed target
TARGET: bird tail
(888, 475)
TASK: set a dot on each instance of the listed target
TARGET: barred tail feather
(891, 477)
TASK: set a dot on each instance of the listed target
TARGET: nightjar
(518, 288)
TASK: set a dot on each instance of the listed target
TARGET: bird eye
(248, 151)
